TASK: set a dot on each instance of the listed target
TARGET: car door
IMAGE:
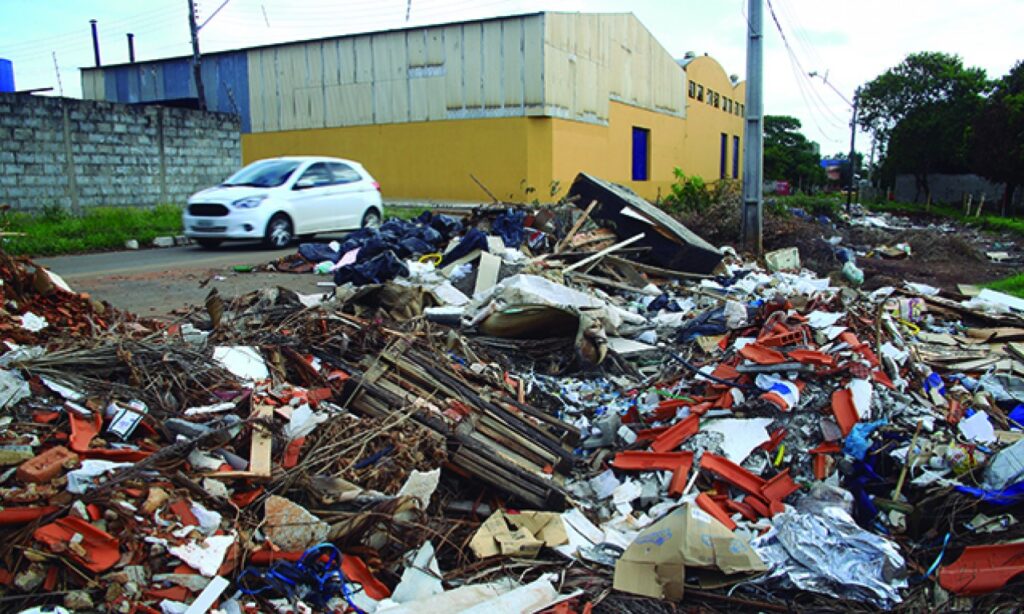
(347, 202)
(311, 199)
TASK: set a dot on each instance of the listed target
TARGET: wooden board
(260, 448)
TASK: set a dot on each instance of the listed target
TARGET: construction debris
(555, 409)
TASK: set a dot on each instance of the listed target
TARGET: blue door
(641, 143)
(723, 156)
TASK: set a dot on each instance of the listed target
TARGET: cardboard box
(655, 563)
(521, 534)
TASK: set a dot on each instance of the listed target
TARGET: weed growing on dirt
(404, 213)
(823, 204)
(988, 222)
(56, 231)
(1010, 285)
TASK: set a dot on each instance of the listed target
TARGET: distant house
(522, 103)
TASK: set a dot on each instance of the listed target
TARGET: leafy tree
(920, 110)
(996, 137)
(788, 154)
(919, 81)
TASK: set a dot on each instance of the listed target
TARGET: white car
(278, 199)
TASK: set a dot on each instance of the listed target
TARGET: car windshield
(263, 174)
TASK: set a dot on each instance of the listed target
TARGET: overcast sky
(849, 40)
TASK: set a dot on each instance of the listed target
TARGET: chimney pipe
(131, 47)
(95, 41)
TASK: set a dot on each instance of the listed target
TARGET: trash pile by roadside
(554, 409)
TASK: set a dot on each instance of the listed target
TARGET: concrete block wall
(951, 189)
(78, 154)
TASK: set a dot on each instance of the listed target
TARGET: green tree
(996, 137)
(789, 155)
(919, 112)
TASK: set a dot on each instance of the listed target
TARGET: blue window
(735, 157)
(641, 153)
(723, 155)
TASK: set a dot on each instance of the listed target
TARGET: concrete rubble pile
(573, 408)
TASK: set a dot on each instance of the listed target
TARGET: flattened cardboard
(655, 563)
(520, 535)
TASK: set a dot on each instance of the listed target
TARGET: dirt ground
(942, 254)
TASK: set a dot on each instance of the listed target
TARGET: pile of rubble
(560, 409)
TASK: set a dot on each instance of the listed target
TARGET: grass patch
(55, 231)
(1010, 285)
(821, 204)
(987, 222)
(404, 213)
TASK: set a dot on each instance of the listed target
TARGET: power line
(151, 16)
(813, 100)
(815, 96)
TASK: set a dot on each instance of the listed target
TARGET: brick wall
(82, 153)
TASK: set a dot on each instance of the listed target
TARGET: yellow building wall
(607, 151)
(705, 123)
(433, 159)
(430, 160)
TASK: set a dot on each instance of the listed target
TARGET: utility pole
(753, 131)
(853, 137)
(853, 133)
(196, 60)
(131, 48)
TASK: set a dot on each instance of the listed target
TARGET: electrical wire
(817, 108)
(422, 19)
(49, 42)
(815, 95)
(810, 52)
(820, 104)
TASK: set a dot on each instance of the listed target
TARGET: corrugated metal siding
(559, 64)
(225, 77)
(479, 69)
(590, 59)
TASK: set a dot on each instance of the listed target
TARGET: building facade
(521, 103)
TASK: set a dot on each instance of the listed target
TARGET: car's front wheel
(209, 243)
(279, 232)
(371, 219)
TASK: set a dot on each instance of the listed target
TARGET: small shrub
(812, 204)
(690, 194)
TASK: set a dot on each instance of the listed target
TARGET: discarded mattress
(673, 245)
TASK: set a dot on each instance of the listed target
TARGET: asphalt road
(156, 282)
(159, 259)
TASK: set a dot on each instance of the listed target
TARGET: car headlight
(249, 202)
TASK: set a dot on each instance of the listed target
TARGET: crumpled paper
(828, 553)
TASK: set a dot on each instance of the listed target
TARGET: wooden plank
(655, 270)
(628, 272)
(604, 252)
(260, 448)
(610, 283)
(575, 227)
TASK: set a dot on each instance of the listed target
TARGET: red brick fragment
(45, 466)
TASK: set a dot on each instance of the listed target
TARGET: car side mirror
(304, 183)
